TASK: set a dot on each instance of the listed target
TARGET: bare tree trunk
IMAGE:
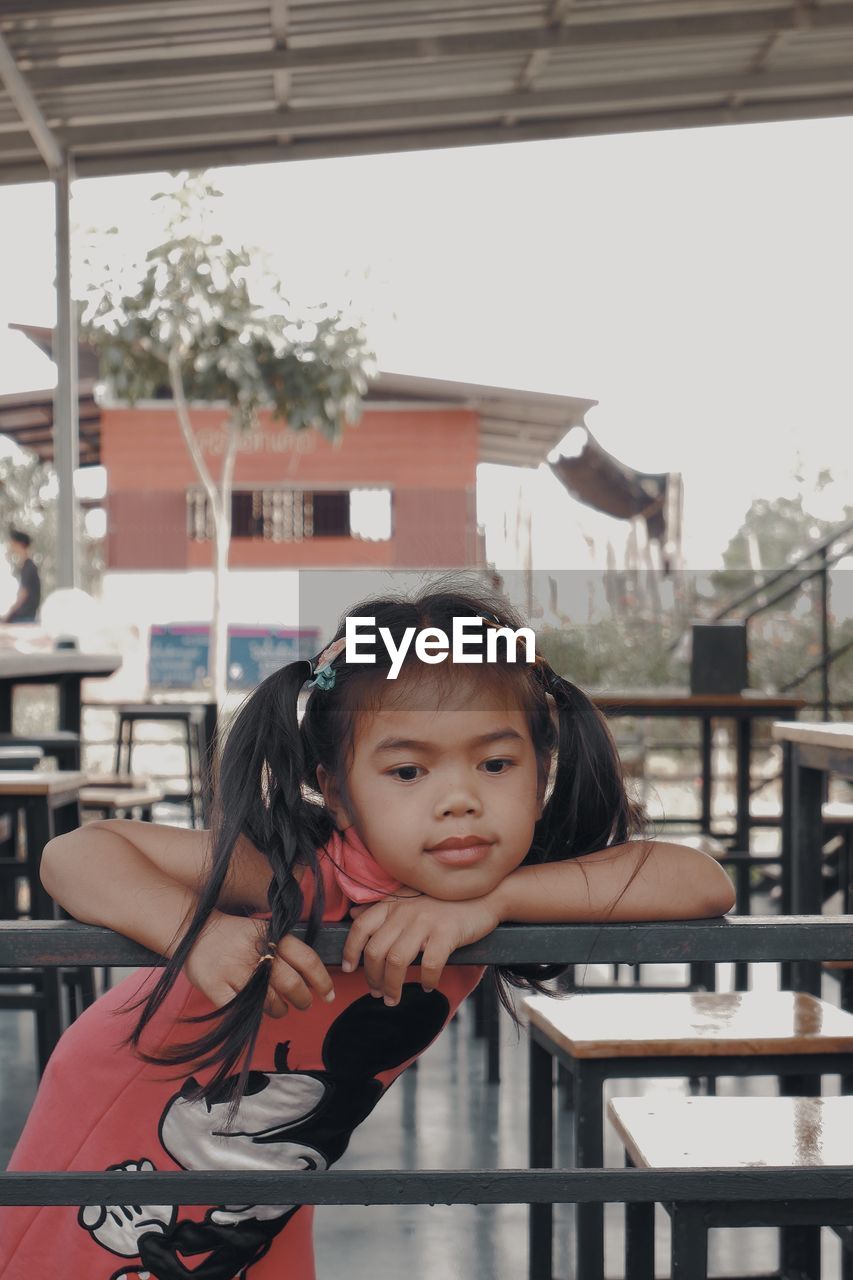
(219, 499)
(221, 546)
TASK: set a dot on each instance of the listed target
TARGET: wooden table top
(647, 1024)
(119, 797)
(725, 1133)
(837, 734)
(748, 699)
(55, 663)
(27, 782)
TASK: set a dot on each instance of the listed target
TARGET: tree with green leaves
(192, 326)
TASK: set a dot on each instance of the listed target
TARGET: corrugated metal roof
(135, 85)
(518, 428)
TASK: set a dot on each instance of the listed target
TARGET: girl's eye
(500, 765)
(406, 772)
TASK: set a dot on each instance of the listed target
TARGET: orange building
(294, 492)
(398, 491)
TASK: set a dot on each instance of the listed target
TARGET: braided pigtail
(260, 795)
(588, 807)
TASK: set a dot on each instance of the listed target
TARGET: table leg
(799, 1244)
(639, 1238)
(70, 716)
(6, 691)
(806, 842)
(743, 726)
(210, 731)
(707, 725)
(689, 1242)
(589, 1154)
(541, 1151)
(40, 829)
(491, 1013)
(743, 760)
(786, 848)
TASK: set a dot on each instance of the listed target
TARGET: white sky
(697, 284)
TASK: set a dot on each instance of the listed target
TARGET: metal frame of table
(811, 752)
(797, 1073)
(800, 1225)
(65, 668)
(46, 814)
(743, 708)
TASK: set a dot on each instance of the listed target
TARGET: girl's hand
(390, 934)
(226, 955)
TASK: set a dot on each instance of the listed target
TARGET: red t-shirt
(315, 1076)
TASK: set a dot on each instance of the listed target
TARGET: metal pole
(65, 402)
(65, 397)
(824, 632)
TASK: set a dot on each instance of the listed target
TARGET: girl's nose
(459, 802)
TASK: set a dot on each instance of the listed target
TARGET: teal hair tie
(324, 679)
(324, 672)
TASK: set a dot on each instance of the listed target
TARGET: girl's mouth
(456, 855)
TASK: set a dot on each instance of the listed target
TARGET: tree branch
(176, 381)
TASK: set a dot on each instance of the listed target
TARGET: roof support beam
(65, 427)
(574, 35)
(279, 22)
(461, 111)
(66, 444)
(28, 109)
(182, 154)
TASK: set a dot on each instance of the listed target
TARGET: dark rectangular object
(718, 661)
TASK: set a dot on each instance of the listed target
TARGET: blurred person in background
(28, 599)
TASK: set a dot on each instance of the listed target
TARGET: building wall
(427, 457)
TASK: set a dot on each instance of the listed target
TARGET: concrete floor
(444, 1115)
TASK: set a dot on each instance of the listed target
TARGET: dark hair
(16, 535)
(266, 790)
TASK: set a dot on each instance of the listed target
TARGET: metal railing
(827, 553)
(775, 938)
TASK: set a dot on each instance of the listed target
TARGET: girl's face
(445, 792)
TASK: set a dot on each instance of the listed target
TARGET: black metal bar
(806, 828)
(689, 1242)
(824, 633)
(806, 576)
(541, 1155)
(639, 1239)
(831, 1184)
(6, 695)
(70, 715)
(832, 657)
(707, 770)
(59, 942)
(841, 532)
(743, 754)
(589, 1153)
(492, 1031)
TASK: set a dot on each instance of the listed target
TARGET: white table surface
(837, 734)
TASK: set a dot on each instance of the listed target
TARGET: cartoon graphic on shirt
(287, 1120)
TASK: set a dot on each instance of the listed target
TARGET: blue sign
(256, 652)
(179, 655)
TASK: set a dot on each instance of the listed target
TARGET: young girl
(430, 808)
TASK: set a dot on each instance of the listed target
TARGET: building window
(331, 515)
(291, 515)
(370, 514)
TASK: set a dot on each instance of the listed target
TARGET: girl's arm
(102, 873)
(142, 880)
(638, 880)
